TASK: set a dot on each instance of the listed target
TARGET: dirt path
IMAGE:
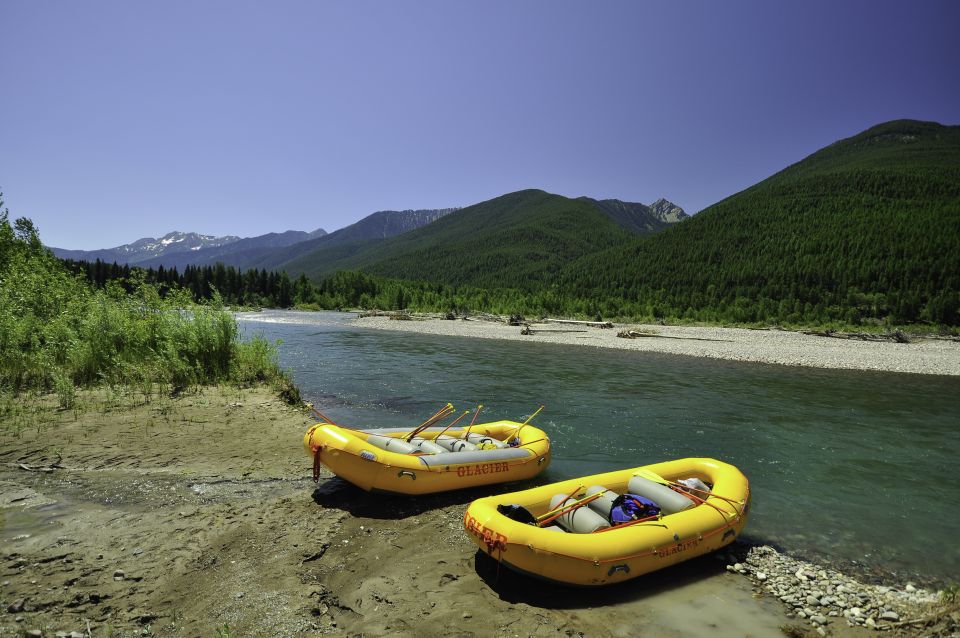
(197, 517)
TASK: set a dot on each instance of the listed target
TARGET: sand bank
(921, 356)
(192, 515)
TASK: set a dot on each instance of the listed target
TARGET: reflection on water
(847, 465)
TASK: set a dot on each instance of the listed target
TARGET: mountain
(242, 253)
(368, 231)
(179, 249)
(518, 240)
(148, 248)
(639, 218)
(867, 228)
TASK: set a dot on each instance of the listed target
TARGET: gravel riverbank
(921, 356)
(196, 516)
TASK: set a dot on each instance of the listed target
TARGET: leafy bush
(58, 332)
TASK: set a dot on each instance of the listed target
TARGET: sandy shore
(922, 356)
(195, 515)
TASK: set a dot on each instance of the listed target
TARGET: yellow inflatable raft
(585, 549)
(380, 459)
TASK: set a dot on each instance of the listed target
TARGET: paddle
(566, 507)
(446, 410)
(473, 420)
(322, 415)
(527, 422)
(455, 421)
(656, 478)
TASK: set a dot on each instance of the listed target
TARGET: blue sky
(120, 120)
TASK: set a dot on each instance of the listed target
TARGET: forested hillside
(520, 240)
(863, 232)
(867, 228)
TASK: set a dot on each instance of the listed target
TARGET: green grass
(58, 333)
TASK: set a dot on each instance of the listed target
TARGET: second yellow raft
(617, 553)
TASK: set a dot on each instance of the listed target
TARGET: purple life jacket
(631, 507)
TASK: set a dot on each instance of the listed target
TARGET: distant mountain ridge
(269, 251)
(148, 247)
(514, 240)
(640, 218)
(375, 227)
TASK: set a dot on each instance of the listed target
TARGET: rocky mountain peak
(667, 211)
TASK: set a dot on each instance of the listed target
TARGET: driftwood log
(594, 324)
(895, 337)
(43, 468)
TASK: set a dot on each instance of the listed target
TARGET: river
(851, 468)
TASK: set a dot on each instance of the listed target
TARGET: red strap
(316, 464)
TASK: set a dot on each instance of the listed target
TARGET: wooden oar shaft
(455, 421)
(527, 422)
(627, 524)
(321, 415)
(473, 420)
(447, 409)
(569, 507)
(653, 476)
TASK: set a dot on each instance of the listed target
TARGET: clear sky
(121, 120)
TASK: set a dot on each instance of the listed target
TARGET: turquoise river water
(857, 469)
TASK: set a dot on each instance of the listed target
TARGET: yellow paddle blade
(651, 476)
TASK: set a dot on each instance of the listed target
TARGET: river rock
(892, 616)
(817, 618)
(910, 589)
(34, 633)
(16, 606)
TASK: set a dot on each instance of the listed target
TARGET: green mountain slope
(866, 228)
(520, 240)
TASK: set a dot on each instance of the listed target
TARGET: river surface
(858, 469)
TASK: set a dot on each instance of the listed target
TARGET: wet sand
(921, 356)
(189, 516)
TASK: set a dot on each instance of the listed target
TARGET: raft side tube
(477, 456)
(391, 444)
(603, 503)
(478, 439)
(582, 520)
(453, 444)
(427, 447)
(670, 502)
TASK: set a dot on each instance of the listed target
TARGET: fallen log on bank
(595, 324)
(894, 337)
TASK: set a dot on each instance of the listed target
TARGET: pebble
(34, 633)
(16, 606)
(818, 594)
